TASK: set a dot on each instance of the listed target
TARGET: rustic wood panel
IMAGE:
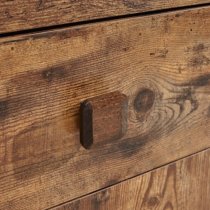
(26, 14)
(184, 184)
(162, 63)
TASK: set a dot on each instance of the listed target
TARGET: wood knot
(3, 109)
(153, 201)
(54, 73)
(144, 100)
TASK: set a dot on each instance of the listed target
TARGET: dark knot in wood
(144, 100)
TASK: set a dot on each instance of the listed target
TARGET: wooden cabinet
(153, 68)
(180, 185)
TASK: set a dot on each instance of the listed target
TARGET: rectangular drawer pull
(103, 118)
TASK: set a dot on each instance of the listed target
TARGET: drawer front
(28, 14)
(160, 63)
(169, 187)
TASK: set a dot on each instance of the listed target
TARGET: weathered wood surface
(162, 63)
(184, 184)
(26, 14)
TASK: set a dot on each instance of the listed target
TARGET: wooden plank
(161, 63)
(184, 184)
(27, 14)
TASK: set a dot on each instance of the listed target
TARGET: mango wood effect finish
(103, 118)
(184, 184)
(161, 62)
(27, 14)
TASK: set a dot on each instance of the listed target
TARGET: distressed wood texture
(161, 62)
(26, 14)
(184, 184)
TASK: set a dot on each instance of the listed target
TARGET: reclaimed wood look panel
(26, 14)
(161, 63)
(184, 184)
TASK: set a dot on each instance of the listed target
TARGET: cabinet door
(28, 14)
(184, 184)
(159, 63)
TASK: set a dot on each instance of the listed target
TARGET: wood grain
(161, 62)
(184, 184)
(27, 14)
